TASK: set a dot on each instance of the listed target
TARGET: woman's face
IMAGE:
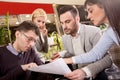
(39, 21)
(96, 14)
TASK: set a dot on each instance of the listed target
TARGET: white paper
(56, 67)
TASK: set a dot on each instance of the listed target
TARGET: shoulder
(109, 31)
(111, 34)
(92, 28)
(2, 48)
(89, 29)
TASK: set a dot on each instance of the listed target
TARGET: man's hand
(78, 74)
(27, 66)
(55, 56)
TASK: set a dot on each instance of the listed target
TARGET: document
(56, 67)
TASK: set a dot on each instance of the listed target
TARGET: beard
(72, 30)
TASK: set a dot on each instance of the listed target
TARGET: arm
(98, 66)
(40, 46)
(106, 39)
(37, 59)
(100, 49)
(18, 72)
(44, 33)
(42, 42)
(45, 44)
(13, 75)
(81, 74)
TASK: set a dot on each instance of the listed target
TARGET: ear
(17, 33)
(78, 18)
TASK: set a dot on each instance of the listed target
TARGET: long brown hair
(112, 11)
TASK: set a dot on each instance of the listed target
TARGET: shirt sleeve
(87, 71)
(99, 49)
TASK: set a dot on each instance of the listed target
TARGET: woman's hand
(44, 31)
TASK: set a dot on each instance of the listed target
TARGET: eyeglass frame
(29, 39)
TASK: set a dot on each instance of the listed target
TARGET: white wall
(76, 2)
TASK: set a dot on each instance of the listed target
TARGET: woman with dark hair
(99, 11)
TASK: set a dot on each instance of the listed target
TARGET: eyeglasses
(29, 39)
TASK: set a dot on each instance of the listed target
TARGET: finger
(32, 65)
(55, 55)
(73, 76)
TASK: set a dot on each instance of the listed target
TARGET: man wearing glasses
(13, 66)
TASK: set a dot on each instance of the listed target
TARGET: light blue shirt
(12, 49)
(105, 42)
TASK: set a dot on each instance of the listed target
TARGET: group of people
(84, 46)
(80, 38)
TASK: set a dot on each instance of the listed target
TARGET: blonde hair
(37, 13)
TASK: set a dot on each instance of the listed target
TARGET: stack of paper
(56, 67)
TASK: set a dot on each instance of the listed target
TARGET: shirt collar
(12, 49)
(78, 29)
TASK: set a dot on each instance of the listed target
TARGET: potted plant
(5, 32)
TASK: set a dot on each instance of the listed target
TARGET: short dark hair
(28, 25)
(72, 9)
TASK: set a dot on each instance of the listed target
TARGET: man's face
(69, 23)
(39, 21)
(25, 40)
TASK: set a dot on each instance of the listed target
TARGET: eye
(41, 21)
(68, 21)
(38, 20)
(61, 23)
(90, 10)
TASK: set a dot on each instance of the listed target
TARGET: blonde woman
(39, 17)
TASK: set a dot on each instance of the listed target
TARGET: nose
(88, 16)
(64, 26)
(32, 43)
(40, 24)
